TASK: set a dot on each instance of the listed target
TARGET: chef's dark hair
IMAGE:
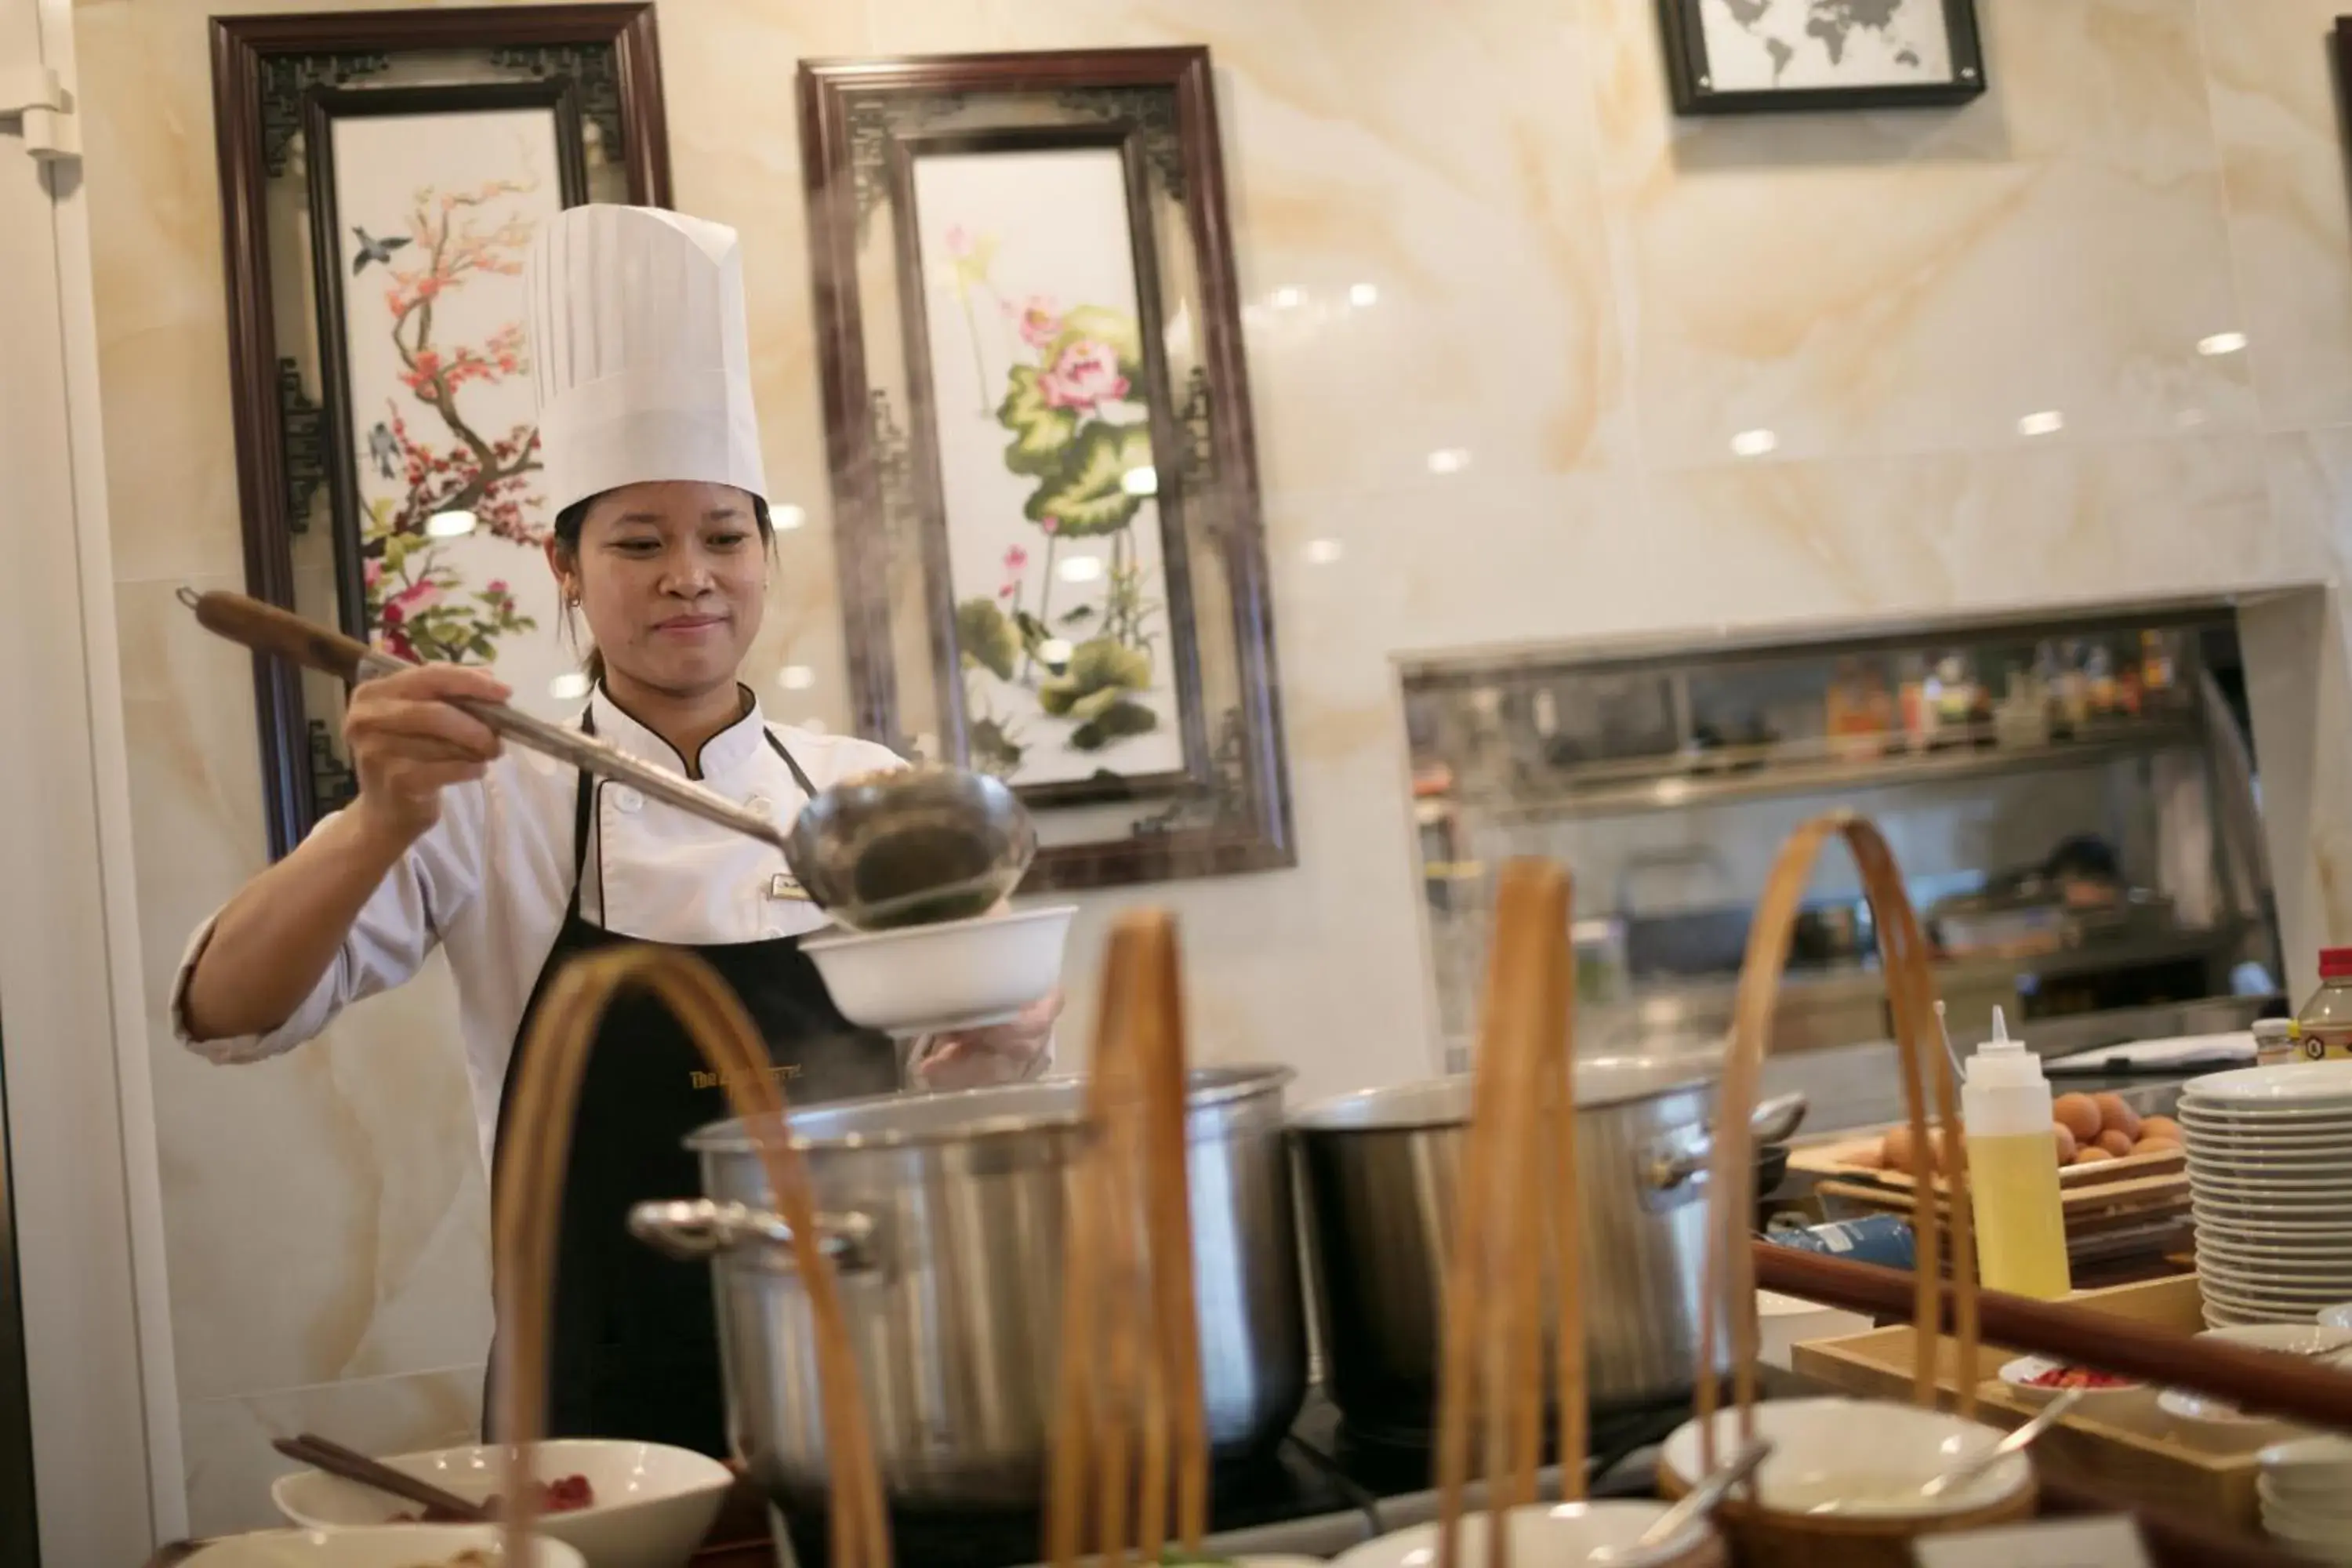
(573, 518)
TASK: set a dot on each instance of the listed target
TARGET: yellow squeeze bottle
(2013, 1169)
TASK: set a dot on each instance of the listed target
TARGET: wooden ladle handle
(266, 628)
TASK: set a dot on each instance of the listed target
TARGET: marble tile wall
(1586, 297)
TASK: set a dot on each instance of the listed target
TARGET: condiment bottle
(2323, 1026)
(2005, 1113)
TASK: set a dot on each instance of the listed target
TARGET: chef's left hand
(1002, 1053)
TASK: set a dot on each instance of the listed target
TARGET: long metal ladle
(266, 628)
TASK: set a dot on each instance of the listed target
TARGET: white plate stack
(2270, 1180)
(2307, 1494)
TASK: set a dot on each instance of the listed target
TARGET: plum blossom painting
(1056, 555)
(432, 215)
(382, 173)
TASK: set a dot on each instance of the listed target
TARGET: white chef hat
(640, 353)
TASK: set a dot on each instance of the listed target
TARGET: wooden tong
(530, 1195)
(1515, 1211)
(1129, 1414)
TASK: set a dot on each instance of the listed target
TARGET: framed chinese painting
(1045, 483)
(383, 174)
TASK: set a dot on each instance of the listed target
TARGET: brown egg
(2092, 1156)
(1868, 1159)
(2163, 1127)
(2078, 1115)
(2065, 1144)
(2114, 1116)
(1895, 1149)
(2117, 1144)
(2147, 1145)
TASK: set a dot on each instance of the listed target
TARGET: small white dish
(2288, 1084)
(654, 1504)
(1564, 1535)
(956, 974)
(1861, 1457)
(384, 1546)
(2017, 1377)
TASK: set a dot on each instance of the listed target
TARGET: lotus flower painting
(434, 213)
(1047, 479)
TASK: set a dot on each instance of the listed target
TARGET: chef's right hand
(408, 742)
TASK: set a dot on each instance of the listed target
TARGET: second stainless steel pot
(1378, 1173)
(944, 1216)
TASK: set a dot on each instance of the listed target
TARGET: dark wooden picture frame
(275, 77)
(1683, 25)
(946, 657)
(865, 124)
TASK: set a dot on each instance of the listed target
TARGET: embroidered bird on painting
(373, 249)
(383, 450)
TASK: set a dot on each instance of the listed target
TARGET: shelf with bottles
(1529, 741)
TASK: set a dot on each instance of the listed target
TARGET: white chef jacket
(491, 879)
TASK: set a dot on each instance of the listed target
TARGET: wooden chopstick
(324, 1454)
(2262, 1382)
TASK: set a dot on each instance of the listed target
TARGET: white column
(80, 1131)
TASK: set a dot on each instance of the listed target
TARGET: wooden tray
(2135, 1452)
(1836, 1161)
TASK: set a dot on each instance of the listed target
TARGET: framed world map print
(1728, 57)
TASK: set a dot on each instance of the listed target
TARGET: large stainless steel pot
(1378, 1172)
(945, 1214)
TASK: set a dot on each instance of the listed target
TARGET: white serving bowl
(384, 1546)
(2096, 1403)
(1873, 1452)
(957, 974)
(1564, 1535)
(654, 1504)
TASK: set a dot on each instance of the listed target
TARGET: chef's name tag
(2064, 1544)
(735, 1076)
(784, 885)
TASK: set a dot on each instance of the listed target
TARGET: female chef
(512, 863)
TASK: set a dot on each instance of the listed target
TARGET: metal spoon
(1698, 1501)
(2016, 1442)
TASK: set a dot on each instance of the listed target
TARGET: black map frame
(1683, 25)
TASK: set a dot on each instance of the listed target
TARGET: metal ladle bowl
(911, 846)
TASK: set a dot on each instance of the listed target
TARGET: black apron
(634, 1351)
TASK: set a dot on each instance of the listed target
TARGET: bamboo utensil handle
(1730, 1272)
(1515, 1212)
(2265, 1381)
(1129, 1415)
(529, 1196)
(267, 629)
